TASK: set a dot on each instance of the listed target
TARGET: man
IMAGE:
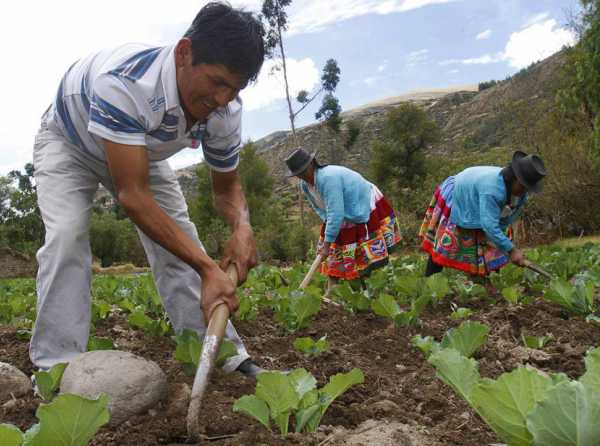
(117, 116)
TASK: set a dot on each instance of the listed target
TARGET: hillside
(469, 120)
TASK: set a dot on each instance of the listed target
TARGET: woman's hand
(324, 249)
(517, 257)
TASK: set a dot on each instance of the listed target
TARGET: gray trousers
(67, 180)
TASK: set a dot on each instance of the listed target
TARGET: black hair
(222, 35)
(509, 177)
(317, 164)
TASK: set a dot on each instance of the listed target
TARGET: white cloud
(372, 80)
(416, 57)
(482, 60)
(537, 18)
(484, 35)
(66, 30)
(453, 71)
(536, 42)
(270, 87)
(381, 68)
(314, 15)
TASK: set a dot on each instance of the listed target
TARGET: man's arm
(230, 202)
(129, 167)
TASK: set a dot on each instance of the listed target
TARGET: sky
(383, 47)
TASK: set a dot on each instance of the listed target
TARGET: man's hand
(241, 251)
(217, 288)
(517, 257)
(324, 249)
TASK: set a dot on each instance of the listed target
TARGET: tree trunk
(287, 88)
(291, 114)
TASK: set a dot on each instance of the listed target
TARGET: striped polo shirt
(129, 95)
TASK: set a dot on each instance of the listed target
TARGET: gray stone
(13, 382)
(134, 384)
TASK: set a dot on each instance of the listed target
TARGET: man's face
(203, 87)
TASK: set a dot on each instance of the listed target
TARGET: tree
(584, 89)
(330, 106)
(257, 181)
(115, 240)
(275, 16)
(21, 218)
(258, 189)
(398, 160)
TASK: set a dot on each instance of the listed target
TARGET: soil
(401, 401)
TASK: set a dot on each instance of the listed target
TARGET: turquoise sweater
(346, 195)
(477, 203)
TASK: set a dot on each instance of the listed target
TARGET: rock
(10, 405)
(381, 433)
(13, 382)
(401, 368)
(385, 407)
(179, 400)
(134, 384)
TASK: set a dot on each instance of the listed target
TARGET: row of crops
(524, 406)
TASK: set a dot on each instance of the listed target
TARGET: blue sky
(384, 48)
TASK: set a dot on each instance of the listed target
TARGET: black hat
(298, 161)
(529, 170)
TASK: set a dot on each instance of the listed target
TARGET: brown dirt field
(401, 396)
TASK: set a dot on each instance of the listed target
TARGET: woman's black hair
(222, 35)
(318, 164)
(508, 174)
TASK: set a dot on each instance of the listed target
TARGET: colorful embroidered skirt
(362, 247)
(451, 246)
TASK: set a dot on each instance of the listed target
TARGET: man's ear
(183, 52)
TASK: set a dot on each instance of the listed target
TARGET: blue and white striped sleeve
(114, 112)
(222, 141)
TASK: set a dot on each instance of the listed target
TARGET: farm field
(411, 337)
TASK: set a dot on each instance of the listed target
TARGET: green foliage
(279, 396)
(426, 344)
(466, 338)
(329, 112)
(49, 382)
(461, 313)
(577, 299)
(21, 226)
(549, 425)
(310, 347)
(487, 84)
(516, 393)
(189, 348)
(398, 160)
(10, 435)
(537, 342)
(97, 343)
(584, 89)
(154, 327)
(275, 19)
(525, 407)
(68, 420)
(512, 294)
(352, 136)
(278, 234)
(331, 76)
(354, 300)
(295, 309)
(467, 290)
(455, 370)
(115, 240)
